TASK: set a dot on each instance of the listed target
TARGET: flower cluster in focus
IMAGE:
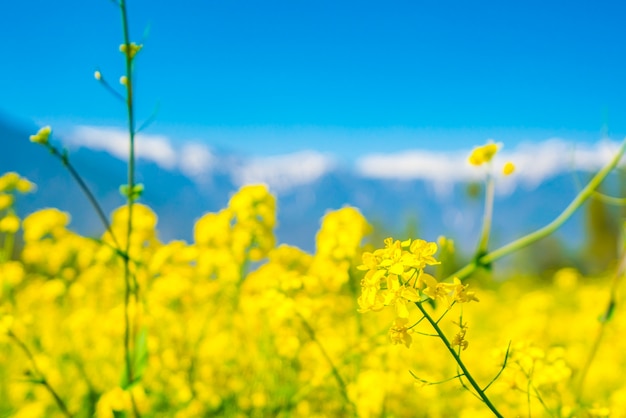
(395, 277)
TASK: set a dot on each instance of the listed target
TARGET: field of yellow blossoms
(233, 325)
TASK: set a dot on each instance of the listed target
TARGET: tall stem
(487, 216)
(129, 200)
(526, 240)
(606, 317)
(41, 377)
(87, 191)
(479, 391)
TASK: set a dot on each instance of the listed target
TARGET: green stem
(41, 377)
(457, 358)
(487, 216)
(608, 313)
(85, 189)
(340, 382)
(526, 240)
(9, 244)
(128, 291)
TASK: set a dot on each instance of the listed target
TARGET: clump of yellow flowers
(222, 336)
(395, 277)
(485, 153)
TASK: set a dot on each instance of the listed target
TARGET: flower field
(233, 325)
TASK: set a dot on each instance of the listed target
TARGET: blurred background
(329, 104)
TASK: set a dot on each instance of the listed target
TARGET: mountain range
(396, 192)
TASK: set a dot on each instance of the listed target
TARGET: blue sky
(337, 76)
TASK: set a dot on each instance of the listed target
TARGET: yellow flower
(6, 323)
(460, 293)
(341, 234)
(6, 201)
(446, 244)
(399, 333)
(10, 224)
(508, 168)
(401, 298)
(434, 289)
(42, 136)
(115, 400)
(97, 75)
(12, 181)
(24, 186)
(459, 339)
(8, 182)
(43, 222)
(483, 154)
(394, 275)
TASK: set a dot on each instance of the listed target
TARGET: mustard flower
(6, 323)
(483, 154)
(508, 168)
(43, 222)
(6, 201)
(459, 339)
(460, 293)
(42, 136)
(434, 289)
(371, 298)
(399, 296)
(341, 234)
(8, 181)
(12, 181)
(424, 251)
(446, 244)
(399, 332)
(10, 224)
(24, 186)
(393, 276)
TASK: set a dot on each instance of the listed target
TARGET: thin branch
(458, 360)
(86, 190)
(506, 359)
(549, 228)
(41, 377)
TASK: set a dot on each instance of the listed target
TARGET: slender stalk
(87, 191)
(487, 216)
(457, 358)
(340, 382)
(608, 312)
(610, 200)
(526, 240)
(128, 291)
(9, 245)
(41, 377)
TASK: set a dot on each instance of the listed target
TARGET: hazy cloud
(284, 171)
(196, 159)
(155, 148)
(535, 162)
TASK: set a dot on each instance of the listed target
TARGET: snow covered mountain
(431, 191)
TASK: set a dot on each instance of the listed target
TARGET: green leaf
(610, 310)
(139, 362)
(141, 353)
